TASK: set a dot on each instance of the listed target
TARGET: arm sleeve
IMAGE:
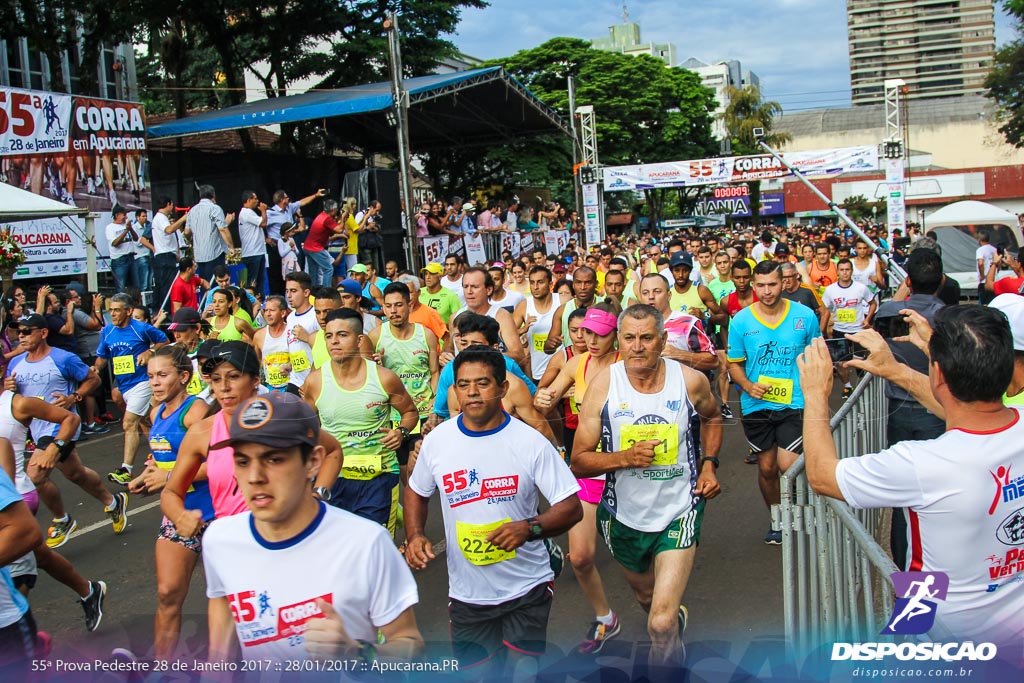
(394, 588)
(422, 478)
(885, 479)
(154, 335)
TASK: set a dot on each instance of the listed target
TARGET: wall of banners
(82, 151)
(485, 248)
(819, 163)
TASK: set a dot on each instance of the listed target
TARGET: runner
(508, 299)
(300, 353)
(56, 376)
(271, 342)
(534, 315)
(420, 312)
(354, 398)
(18, 631)
(687, 296)
(186, 327)
(128, 345)
(584, 282)
(358, 603)
(170, 373)
(867, 267)
(764, 340)
(226, 326)
(720, 287)
(823, 271)
(653, 502)
(491, 469)
(452, 280)
(476, 288)
(851, 307)
(441, 299)
(599, 326)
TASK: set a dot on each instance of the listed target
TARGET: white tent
(971, 212)
(20, 205)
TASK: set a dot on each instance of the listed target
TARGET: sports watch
(711, 459)
(62, 446)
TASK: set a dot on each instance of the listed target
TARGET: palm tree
(745, 112)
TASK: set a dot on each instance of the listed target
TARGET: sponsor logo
(673, 405)
(1009, 564)
(914, 613)
(1006, 489)
(922, 652)
(623, 411)
(1011, 529)
(798, 324)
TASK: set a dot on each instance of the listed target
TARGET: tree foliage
(1005, 83)
(858, 207)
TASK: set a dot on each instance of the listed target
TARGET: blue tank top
(165, 438)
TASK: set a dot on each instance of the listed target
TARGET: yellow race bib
(195, 385)
(666, 452)
(124, 365)
(362, 467)
(846, 315)
(538, 342)
(300, 361)
(779, 390)
(475, 546)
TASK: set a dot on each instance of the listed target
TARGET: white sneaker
(113, 197)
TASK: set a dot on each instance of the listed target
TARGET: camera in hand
(891, 326)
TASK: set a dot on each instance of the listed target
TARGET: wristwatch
(405, 432)
(711, 459)
(536, 530)
(62, 446)
(323, 492)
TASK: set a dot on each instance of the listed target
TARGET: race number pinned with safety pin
(667, 435)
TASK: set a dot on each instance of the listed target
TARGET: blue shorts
(373, 499)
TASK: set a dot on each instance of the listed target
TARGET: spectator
(166, 249)
(183, 290)
(370, 241)
(324, 227)
(1006, 285)
(211, 238)
(284, 220)
(984, 254)
(251, 233)
(122, 238)
(142, 268)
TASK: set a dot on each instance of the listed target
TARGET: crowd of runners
(599, 380)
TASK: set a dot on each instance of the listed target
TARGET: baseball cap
(350, 286)
(468, 207)
(434, 268)
(782, 250)
(1012, 305)
(32, 320)
(681, 258)
(237, 353)
(600, 322)
(277, 419)
(185, 317)
(358, 268)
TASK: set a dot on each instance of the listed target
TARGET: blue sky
(797, 47)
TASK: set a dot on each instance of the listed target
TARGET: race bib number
(539, 341)
(667, 450)
(124, 365)
(300, 361)
(779, 390)
(475, 546)
(362, 467)
(846, 315)
(195, 385)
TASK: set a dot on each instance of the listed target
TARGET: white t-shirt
(126, 248)
(486, 479)
(985, 253)
(141, 250)
(300, 353)
(454, 287)
(964, 494)
(511, 300)
(162, 242)
(760, 252)
(272, 587)
(849, 305)
(251, 233)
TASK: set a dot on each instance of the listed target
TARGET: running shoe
(597, 635)
(93, 605)
(95, 428)
(106, 418)
(727, 412)
(751, 458)
(684, 620)
(119, 513)
(58, 534)
(120, 476)
(846, 392)
(773, 537)
(44, 644)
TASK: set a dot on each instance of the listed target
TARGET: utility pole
(400, 99)
(893, 152)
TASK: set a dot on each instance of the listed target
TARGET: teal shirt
(770, 353)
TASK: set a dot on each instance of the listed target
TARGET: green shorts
(635, 550)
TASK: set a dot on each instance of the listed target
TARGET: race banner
(510, 242)
(475, 252)
(435, 249)
(51, 247)
(33, 122)
(555, 241)
(107, 126)
(526, 242)
(818, 163)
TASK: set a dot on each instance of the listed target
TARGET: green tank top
(410, 360)
(321, 356)
(684, 302)
(1017, 400)
(229, 332)
(355, 419)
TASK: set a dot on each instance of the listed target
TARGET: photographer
(946, 484)
(370, 241)
(1006, 285)
(908, 419)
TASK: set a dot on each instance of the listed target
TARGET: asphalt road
(734, 596)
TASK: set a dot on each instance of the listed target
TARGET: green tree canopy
(1005, 83)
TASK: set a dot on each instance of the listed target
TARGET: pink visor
(599, 322)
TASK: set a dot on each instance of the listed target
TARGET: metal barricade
(836, 577)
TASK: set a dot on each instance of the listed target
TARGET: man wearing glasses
(61, 378)
(282, 223)
(128, 344)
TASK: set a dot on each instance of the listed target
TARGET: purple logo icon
(914, 611)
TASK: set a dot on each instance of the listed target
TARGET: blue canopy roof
(489, 106)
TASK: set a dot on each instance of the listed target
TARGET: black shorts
(17, 648)
(27, 580)
(480, 632)
(292, 389)
(45, 441)
(767, 428)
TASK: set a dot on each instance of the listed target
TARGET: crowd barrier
(836, 576)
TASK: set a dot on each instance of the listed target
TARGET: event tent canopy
(481, 106)
(20, 205)
(971, 212)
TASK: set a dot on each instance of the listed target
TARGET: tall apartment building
(719, 76)
(940, 48)
(625, 38)
(23, 67)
